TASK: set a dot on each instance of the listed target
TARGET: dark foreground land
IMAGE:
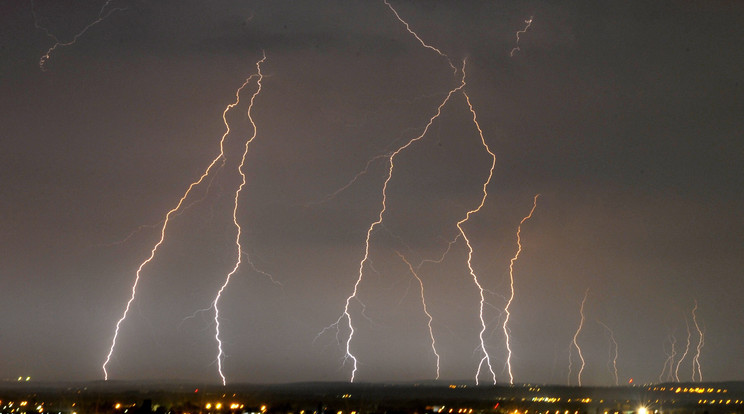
(342, 398)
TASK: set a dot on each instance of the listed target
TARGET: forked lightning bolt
(701, 341)
(511, 286)
(168, 216)
(426, 311)
(575, 342)
(612, 357)
(516, 48)
(424, 44)
(670, 359)
(684, 354)
(102, 15)
(346, 315)
(486, 357)
(215, 304)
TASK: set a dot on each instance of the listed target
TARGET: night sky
(626, 117)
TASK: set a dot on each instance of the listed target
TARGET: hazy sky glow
(625, 117)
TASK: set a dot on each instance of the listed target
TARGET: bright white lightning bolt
(221, 353)
(426, 311)
(424, 44)
(511, 284)
(575, 342)
(102, 15)
(516, 48)
(684, 354)
(168, 216)
(701, 342)
(486, 356)
(391, 166)
(612, 352)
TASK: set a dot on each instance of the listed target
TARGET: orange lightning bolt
(684, 354)
(701, 342)
(346, 315)
(486, 357)
(612, 352)
(426, 311)
(511, 284)
(576, 344)
(102, 15)
(168, 216)
(424, 44)
(670, 359)
(516, 48)
(221, 353)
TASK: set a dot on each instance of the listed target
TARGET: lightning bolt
(511, 285)
(516, 48)
(701, 342)
(486, 357)
(684, 354)
(426, 311)
(612, 352)
(670, 358)
(576, 344)
(424, 44)
(346, 315)
(221, 353)
(166, 221)
(102, 15)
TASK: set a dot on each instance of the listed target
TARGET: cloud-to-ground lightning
(613, 352)
(516, 47)
(701, 341)
(424, 44)
(669, 362)
(346, 315)
(426, 311)
(511, 289)
(167, 219)
(486, 357)
(215, 304)
(575, 343)
(684, 354)
(103, 13)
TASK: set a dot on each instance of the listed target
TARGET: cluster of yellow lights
(24, 379)
(727, 402)
(690, 390)
(233, 406)
(546, 399)
(346, 396)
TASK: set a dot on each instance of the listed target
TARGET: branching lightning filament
(511, 290)
(516, 48)
(576, 336)
(102, 15)
(221, 353)
(166, 221)
(426, 311)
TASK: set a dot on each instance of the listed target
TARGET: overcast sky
(626, 118)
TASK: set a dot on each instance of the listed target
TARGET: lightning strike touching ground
(612, 357)
(424, 44)
(215, 304)
(170, 215)
(516, 48)
(575, 343)
(511, 288)
(701, 342)
(670, 359)
(102, 15)
(426, 311)
(486, 357)
(346, 314)
(684, 354)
